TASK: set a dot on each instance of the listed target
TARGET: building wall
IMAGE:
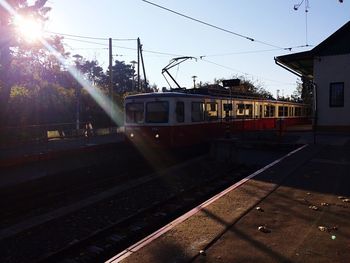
(330, 69)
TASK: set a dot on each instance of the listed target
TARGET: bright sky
(271, 21)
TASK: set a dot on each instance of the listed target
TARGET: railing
(29, 134)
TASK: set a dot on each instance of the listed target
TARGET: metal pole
(143, 66)
(138, 64)
(111, 79)
(77, 124)
(315, 111)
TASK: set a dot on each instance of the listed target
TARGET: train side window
(157, 112)
(291, 111)
(227, 106)
(282, 111)
(180, 111)
(197, 111)
(212, 111)
(134, 112)
(269, 111)
(244, 110)
(240, 109)
(248, 110)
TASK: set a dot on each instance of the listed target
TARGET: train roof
(164, 94)
(193, 95)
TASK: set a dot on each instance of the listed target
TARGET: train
(178, 119)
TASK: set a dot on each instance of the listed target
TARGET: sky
(274, 24)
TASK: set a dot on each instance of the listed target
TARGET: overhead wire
(93, 38)
(245, 73)
(72, 37)
(240, 53)
(81, 39)
(213, 26)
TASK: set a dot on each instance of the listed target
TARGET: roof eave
(300, 64)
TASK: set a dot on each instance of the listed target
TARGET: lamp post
(194, 81)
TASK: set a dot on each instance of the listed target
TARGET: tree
(253, 88)
(123, 77)
(304, 91)
(9, 41)
(90, 69)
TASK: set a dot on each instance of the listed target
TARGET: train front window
(157, 112)
(134, 112)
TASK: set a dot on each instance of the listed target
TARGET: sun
(28, 28)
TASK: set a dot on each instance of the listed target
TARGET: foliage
(10, 43)
(303, 92)
(246, 87)
(35, 88)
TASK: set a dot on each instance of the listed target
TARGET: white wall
(327, 70)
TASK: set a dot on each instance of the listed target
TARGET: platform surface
(304, 208)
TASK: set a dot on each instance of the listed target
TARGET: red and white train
(177, 119)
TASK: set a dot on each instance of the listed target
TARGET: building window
(336, 94)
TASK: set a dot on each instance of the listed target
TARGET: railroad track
(106, 242)
(39, 202)
(53, 231)
(57, 190)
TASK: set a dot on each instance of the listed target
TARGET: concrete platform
(43, 151)
(29, 162)
(303, 215)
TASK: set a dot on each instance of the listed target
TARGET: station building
(327, 66)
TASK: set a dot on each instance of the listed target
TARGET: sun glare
(28, 28)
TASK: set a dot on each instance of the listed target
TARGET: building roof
(302, 63)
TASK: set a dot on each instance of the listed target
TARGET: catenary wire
(93, 38)
(213, 26)
(245, 73)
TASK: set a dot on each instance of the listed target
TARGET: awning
(301, 64)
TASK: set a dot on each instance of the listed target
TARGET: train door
(260, 111)
(178, 132)
(180, 111)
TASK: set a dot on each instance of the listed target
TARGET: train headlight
(131, 135)
(156, 136)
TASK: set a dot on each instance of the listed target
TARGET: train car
(177, 119)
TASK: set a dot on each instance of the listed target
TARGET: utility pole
(138, 64)
(111, 79)
(143, 66)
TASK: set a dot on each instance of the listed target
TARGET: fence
(27, 134)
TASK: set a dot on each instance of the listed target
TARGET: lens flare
(28, 28)
(102, 100)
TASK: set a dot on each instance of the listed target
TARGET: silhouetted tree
(304, 91)
(123, 75)
(10, 41)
